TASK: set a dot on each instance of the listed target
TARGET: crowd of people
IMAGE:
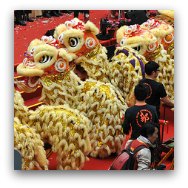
(21, 17)
(143, 118)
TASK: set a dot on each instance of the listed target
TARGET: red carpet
(23, 36)
(92, 164)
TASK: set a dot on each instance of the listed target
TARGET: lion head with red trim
(43, 57)
(76, 36)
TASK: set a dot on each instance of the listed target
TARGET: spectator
(36, 13)
(156, 90)
(148, 136)
(55, 13)
(139, 114)
(22, 16)
(85, 12)
(46, 14)
(19, 17)
(50, 13)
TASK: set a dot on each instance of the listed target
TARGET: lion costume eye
(32, 51)
(73, 22)
(90, 42)
(45, 59)
(133, 27)
(44, 38)
(137, 48)
(151, 21)
(73, 41)
(60, 38)
(145, 24)
(123, 41)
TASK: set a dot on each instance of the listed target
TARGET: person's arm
(167, 101)
(144, 159)
(126, 124)
(164, 97)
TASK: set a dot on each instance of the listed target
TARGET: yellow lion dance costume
(127, 66)
(30, 145)
(148, 40)
(65, 129)
(162, 52)
(51, 66)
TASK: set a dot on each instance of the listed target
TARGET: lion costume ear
(120, 34)
(34, 43)
(169, 13)
(89, 26)
(58, 30)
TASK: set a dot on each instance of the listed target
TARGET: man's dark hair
(150, 67)
(148, 129)
(140, 92)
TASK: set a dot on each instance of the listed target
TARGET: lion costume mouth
(80, 72)
(28, 84)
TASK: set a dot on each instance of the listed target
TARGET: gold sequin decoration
(55, 78)
(94, 52)
(88, 86)
(106, 90)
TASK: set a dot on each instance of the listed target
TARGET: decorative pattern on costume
(30, 145)
(125, 70)
(64, 128)
(60, 65)
(167, 16)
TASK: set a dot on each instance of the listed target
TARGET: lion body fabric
(64, 128)
(98, 101)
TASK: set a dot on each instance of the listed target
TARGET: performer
(137, 115)
(156, 90)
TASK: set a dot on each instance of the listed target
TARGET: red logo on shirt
(149, 90)
(143, 116)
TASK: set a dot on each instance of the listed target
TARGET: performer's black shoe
(55, 14)
(46, 15)
(20, 22)
(30, 19)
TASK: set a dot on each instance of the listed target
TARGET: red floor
(22, 37)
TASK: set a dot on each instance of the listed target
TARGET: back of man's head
(140, 92)
(150, 67)
(148, 129)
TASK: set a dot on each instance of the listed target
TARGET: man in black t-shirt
(137, 115)
(156, 90)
